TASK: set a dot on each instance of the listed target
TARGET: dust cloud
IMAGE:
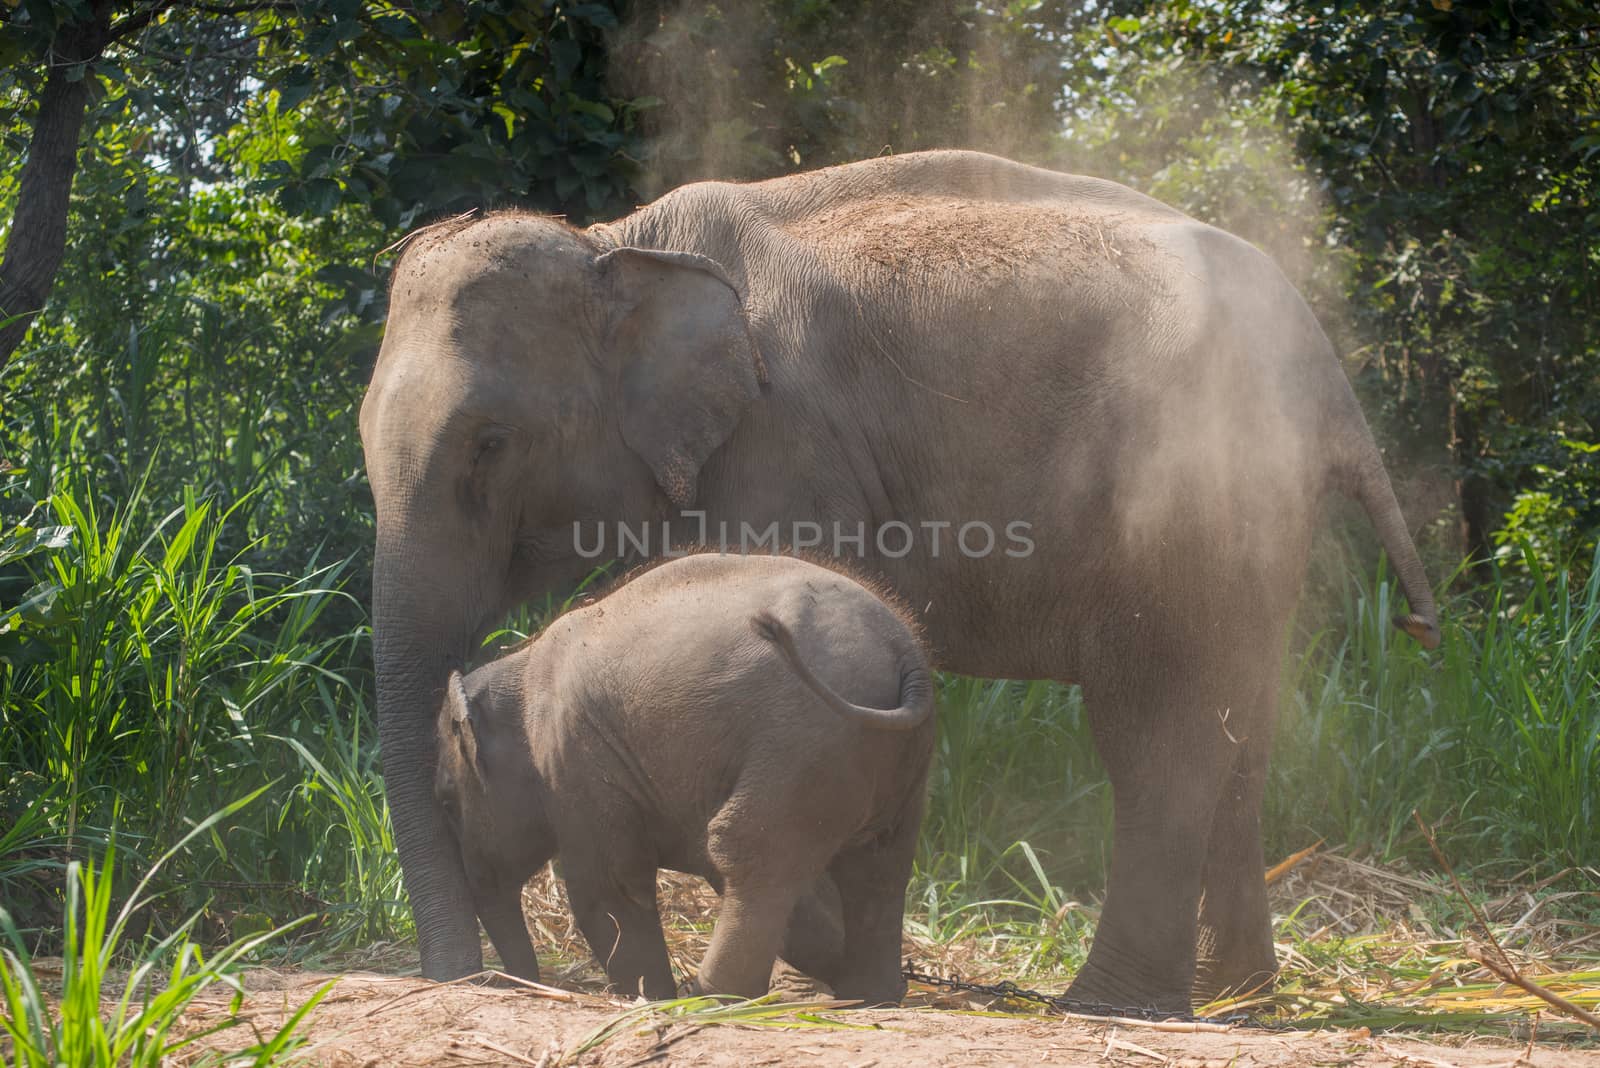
(746, 92)
(732, 107)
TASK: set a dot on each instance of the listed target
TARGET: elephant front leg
(501, 913)
(1235, 951)
(620, 921)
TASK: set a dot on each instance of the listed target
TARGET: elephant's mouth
(552, 561)
(538, 552)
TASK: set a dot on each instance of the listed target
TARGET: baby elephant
(702, 718)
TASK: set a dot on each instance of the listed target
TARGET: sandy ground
(378, 1013)
(374, 1021)
(386, 1016)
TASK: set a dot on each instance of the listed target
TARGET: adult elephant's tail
(916, 684)
(1369, 484)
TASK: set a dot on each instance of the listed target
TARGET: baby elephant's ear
(456, 701)
(460, 716)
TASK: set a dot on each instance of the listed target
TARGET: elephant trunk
(415, 644)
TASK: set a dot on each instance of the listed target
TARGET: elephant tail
(1372, 488)
(916, 684)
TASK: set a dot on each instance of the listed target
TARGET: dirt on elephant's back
(377, 1020)
(973, 237)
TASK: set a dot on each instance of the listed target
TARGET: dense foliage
(1456, 149)
(184, 523)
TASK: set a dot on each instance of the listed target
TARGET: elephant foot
(707, 986)
(1246, 967)
(791, 984)
(872, 991)
(1104, 994)
(1215, 980)
(446, 964)
(498, 980)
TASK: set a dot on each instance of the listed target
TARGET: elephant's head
(530, 378)
(491, 797)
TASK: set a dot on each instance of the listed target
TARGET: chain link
(1009, 991)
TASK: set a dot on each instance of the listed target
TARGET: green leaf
(320, 196)
(566, 54)
(294, 87)
(397, 27)
(593, 108)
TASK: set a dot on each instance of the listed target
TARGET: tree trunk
(39, 224)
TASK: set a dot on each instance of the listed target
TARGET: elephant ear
(686, 365)
(462, 727)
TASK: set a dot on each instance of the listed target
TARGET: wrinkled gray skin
(702, 718)
(936, 337)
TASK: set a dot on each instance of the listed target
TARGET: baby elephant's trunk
(916, 685)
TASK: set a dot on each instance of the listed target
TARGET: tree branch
(247, 8)
(136, 21)
(139, 20)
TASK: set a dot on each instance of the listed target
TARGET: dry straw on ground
(1366, 949)
(1372, 969)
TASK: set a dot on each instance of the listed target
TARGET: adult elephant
(887, 347)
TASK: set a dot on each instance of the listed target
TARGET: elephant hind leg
(748, 935)
(872, 881)
(768, 851)
(815, 938)
(1235, 951)
(1167, 751)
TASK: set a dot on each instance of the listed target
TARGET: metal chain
(1010, 991)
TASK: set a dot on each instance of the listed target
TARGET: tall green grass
(146, 668)
(1018, 819)
(1495, 735)
(353, 859)
(106, 1017)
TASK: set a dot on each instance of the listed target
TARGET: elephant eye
(490, 442)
